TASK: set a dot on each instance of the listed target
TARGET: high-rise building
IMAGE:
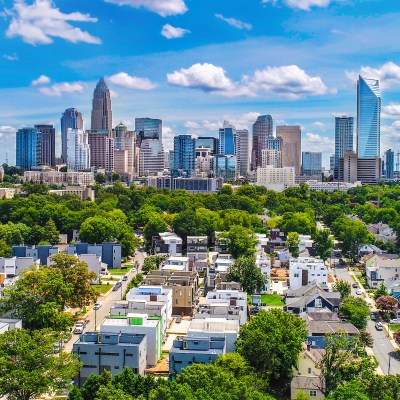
(332, 164)
(151, 160)
(274, 143)
(70, 119)
(271, 157)
(48, 144)
(291, 146)
(365, 170)
(227, 139)
(225, 166)
(368, 118)
(102, 146)
(101, 107)
(78, 150)
(344, 126)
(184, 156)
(277, 179)
(204, 161)
(262, 131)
(206, 141)
(125, 154)
(242, 151)
(28, 148)
(148, 128)
(311, 163)
(389, 164)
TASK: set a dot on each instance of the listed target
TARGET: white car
(359, 292)
(97, 306)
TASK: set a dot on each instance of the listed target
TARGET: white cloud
(42, 80)
(320, 125)
(390, 135)
(11, 57)
(168, 135)
(209, 78)
(172, 32)
(235, 22)
(388, 74)
(41, 21)
(391, 111)
(59, 89)
(131, 82)
(287, 81)
(113, 94)
(305, 5)
(318, 143)
(7, 129)
(161, 7)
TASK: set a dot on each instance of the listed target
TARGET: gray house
(110, 252)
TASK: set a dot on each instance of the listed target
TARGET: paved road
(107, 301)
(383, 348)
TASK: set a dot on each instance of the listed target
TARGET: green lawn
(269, 300)
(394, 327)
(119, 271)
(103, 289)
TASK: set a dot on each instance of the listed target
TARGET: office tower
(148, 128)
(291, 146)
(101, 107)
(262, 130)
(225, 166)
(389, 164)
(206, 141)
(204, 161)
(271, 157)
(28, 148)
(125, 155)
(277, 179)
(368, 118)
(151, 160)
(184, 156)
(365, 170)
(343, 139)
(78, 150)
(102, 146)
(274, 143)
(311, 163)
(227, 139)
(332, 164)
(242, 151)
(48, 144)
(70, 119)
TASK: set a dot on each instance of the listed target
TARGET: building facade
(311, 163)
(47, 144)
(28, 148)
(206, 141)
(344, 130)
(70, 119)
(227, 139)
(291, 146)
(262, 131)
(276, 178)
(389, 164)
(151, 158)
(101, 107)
(78, 150)
(184, 156)
(148, 128)
(225, 166)
(102, 146)
(242, 151)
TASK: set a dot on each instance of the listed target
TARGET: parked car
(355, 286)
(378, 326)
(395, 321)
(359, 292)
(373, 316)
(97, 306)
(79, 327)
(117, 286)
(125, 278)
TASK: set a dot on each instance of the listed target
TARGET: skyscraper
(151, 160)
(47, 144)
(242, 151)
(70, 119)
(78, 150)
(28, 148)
(148, 128)
(101, 107)
(102, 146)
(227, 139)
(125, 154)
(184, 156)
(368, 118)
(389, 164)
(291, 146)
(343, 139)
(311, 163)
(207, 141)
(262, 130)
(225, 166)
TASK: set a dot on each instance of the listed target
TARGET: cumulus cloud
(318, 143)
(390, 135)
(305, 5)
(287, 81)
(388, 74)
(11, 57)
(235, 22)
(161, 7)
(391, 111)
(320, 125)
(42, 80)
(7, 129)
(172, 32)
(209, 78)
(168, 135)
(40, 22)
(59, 89)
(131, 82)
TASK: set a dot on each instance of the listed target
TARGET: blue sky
(195, 63)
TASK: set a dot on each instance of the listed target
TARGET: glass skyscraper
(368, 118)
(148, 128)
(262, 131)
(344, 129)
(28, 148)
(101, 107)
(389, 164)
(227, 139)
(70, 119)
(311, 163)
(211, 142)
(184, 156)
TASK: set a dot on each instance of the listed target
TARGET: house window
(296, 275)
(318, 303)
(313, 393)
(309, 370)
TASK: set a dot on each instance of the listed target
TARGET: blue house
(190, 350)
(110, 252)
(41, 253)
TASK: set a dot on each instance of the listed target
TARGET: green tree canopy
(323, 244)
(343, 288)
(240, 241)
(355, 310)
(96, 230)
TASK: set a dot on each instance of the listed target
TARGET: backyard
(273, 300)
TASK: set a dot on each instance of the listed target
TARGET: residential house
(384, 271)
(303, 271)
(41, 252)
(382, 232)
(175, 263)
(110, 252)
(7, 324)
(167, 244)
(368, 249)
(263, 262)
(15, 266)
(197, 251)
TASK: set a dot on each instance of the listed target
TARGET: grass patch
(103, 289)
(269, 300)
(358, 274)
(119, 271)
(394, 327)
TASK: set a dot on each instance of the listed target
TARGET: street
(107, 301)
(383, 348)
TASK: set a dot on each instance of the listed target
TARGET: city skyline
(288, 83)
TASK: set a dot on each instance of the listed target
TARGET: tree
(292, 243)
(366, 338)
(355, 310)
(299, 222)
(343, 288)
(115, 176)
(96, 230)
(353, 390)
(28, 366)
(245, 271)
(271, 342)
(323, 244)
(381, 291)
(153, 227)
(51, 233)
(152, 263)
(5, 249)
(100, 178)
(188, 223)
(93, 384)
(386, 303)
(240, 241)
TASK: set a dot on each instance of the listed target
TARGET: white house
(264, 263)
(383, 271)
(15, 266)
(304, 270)
(175, 263)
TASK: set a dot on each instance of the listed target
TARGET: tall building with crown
(101, 107)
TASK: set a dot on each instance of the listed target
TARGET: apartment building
(167, 244)
(305, 270)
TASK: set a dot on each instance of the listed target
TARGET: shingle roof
(324, 327)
